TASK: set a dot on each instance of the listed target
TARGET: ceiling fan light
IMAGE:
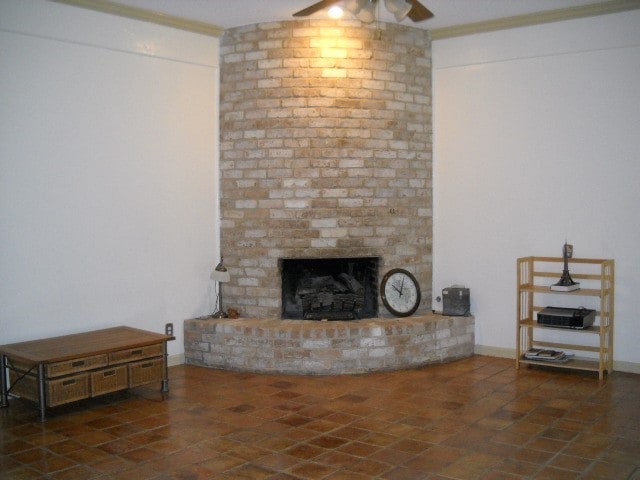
(367, 11)
(335, 12)
(402, 14)
(352, 6)
(399, 8)
(391, 5)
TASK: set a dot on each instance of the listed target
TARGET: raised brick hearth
(306, 347)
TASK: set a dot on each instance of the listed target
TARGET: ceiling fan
(364, 10)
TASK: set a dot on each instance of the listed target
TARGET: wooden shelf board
(579, 276)
(566, 346)
(591, 292)
(594, 261)
(537, 308)
(573, 364)
(592, 329)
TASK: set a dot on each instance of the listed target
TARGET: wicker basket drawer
(109, 380)
(68, 389)
(58, 391)
(141, 373)
(77, 365)
(136, 353)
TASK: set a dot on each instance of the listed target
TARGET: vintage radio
(578, 318)
(456, 301)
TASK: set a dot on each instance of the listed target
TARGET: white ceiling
(234, 13)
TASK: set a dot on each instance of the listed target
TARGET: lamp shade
(220, 273)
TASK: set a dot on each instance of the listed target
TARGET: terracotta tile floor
(472, 419)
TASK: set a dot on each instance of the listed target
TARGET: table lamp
(566, 283)
(220, 275)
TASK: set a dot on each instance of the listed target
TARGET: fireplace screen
(329, 288)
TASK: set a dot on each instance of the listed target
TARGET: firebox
(329, 288)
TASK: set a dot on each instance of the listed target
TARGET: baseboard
(494, 351)
(629, 367)
(173, 360)
(618, 366)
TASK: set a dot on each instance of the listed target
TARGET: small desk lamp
(220, 275)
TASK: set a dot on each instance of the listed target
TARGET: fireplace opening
(329, 288)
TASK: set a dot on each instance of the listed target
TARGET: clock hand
(397, 289)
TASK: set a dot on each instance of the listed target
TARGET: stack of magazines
(544, 355)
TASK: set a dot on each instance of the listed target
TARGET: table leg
(4, 395)
(165, 371)
(41, 392)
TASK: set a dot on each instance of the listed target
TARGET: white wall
(537, 140)
(108, 172)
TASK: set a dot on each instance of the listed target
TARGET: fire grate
(332, 298)
(329, 289)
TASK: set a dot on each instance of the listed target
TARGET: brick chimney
(325, 152)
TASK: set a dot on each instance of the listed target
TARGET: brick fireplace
(325, 152)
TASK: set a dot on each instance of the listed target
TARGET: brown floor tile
(312, 470)
(304, 451)
(435, 459)
(277, 461)
(21, 473)
(474, 419)
(328, 441)
(404, 473)
(14, 446)
(370, 467)
(517, 467)
(568, 462)
(111, 464)
(88, 455)
(249, 471)
(221, 463)
(51, 463)
(530, 455)
(336, 459)
(344, 475)
(79, 472)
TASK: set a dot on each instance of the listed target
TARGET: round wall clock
(400, 292)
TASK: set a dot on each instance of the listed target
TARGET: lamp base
(566, 280)
(566, 283)
(220, 314)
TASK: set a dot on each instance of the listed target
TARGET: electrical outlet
(168, 329)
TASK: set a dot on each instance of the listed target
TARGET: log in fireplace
(329, 288)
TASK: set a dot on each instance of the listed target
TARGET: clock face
(400, 292)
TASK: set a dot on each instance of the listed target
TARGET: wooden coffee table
(60, 370)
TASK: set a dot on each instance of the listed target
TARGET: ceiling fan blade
(418, 12)
(314, 8)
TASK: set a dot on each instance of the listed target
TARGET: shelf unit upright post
(599, 273)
